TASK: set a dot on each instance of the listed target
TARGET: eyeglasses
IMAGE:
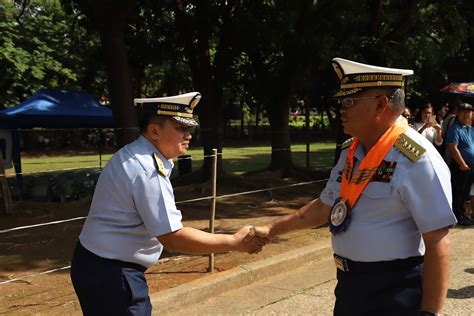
(184, 129)
(347, 103)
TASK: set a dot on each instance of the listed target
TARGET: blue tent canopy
(57, 109)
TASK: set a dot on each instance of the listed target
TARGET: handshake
(251, 239)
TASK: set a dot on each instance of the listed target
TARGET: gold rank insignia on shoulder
(411, 149)
(347, 143)
(160, 166)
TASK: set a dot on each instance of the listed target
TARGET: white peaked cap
(186, 99)
(354, 76)
(352, 67)
(178, 107)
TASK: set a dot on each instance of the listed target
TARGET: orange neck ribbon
(353, 185)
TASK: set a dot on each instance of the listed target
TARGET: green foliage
(50, 44)
(156, 56)
(314, 121)
(40, 47)
(430, 37)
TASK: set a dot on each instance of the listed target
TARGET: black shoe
(464, 221)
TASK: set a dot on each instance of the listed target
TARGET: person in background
(133, 215)
(426, 125)
(414, 111)
(388, 203)
(449, 119)
(407, 114)
(460, 142)
(441, 112)
(445, 126)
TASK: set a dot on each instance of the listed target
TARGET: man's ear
(382, 105)
(153, 131)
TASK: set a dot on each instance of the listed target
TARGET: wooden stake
(7, 198)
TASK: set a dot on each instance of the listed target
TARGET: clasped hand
(249, 240)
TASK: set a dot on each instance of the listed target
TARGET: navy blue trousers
(109, 287)
(379, 293)
(461, 182)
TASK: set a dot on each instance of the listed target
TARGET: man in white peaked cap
(387, 203)
(133, 215)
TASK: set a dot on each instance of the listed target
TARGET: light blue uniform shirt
(132, 204)
(389, 217)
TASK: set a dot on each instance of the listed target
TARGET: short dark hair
(396, 96)
(157, 119)
(426, 105)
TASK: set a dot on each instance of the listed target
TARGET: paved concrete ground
(304, 287)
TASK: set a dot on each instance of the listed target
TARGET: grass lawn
(237, 160)
(244, 159)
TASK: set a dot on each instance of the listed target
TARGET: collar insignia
(160, 166)
(347, 143)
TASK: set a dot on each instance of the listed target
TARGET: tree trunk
(257, 116)
(280, 137)
(210, 111)
(207, 78)
(307, 130)
(242, 119)
(375, 7)
(111, 21)
(211, 134)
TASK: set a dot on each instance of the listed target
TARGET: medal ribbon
(353, 185)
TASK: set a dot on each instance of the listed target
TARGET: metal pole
(213, 203)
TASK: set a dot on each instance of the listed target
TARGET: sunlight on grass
(54, 163)
(237, 160)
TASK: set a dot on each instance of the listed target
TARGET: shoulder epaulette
(411, 149)
(347, 143)
(159, 165)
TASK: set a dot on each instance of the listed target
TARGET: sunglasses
(347, 103)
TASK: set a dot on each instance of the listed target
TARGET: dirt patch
(31, 251)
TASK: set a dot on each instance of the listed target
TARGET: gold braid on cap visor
(373, 84)
(170, 113)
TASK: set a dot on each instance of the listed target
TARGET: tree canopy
(267, 54)
(43, 47)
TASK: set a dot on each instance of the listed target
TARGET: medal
(352, 184)
(340, 217)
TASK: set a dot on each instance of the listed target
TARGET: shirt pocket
(377, 190)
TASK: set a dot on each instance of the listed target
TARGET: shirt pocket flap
(377, 190)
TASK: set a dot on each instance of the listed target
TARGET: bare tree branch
(24, 4)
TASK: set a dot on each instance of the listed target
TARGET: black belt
(347, 265)
(123, 264)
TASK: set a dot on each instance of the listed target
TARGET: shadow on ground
(462, 293)
(39, 249)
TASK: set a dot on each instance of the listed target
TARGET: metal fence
(67, 184)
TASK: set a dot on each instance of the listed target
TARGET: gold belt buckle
(341, 263)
